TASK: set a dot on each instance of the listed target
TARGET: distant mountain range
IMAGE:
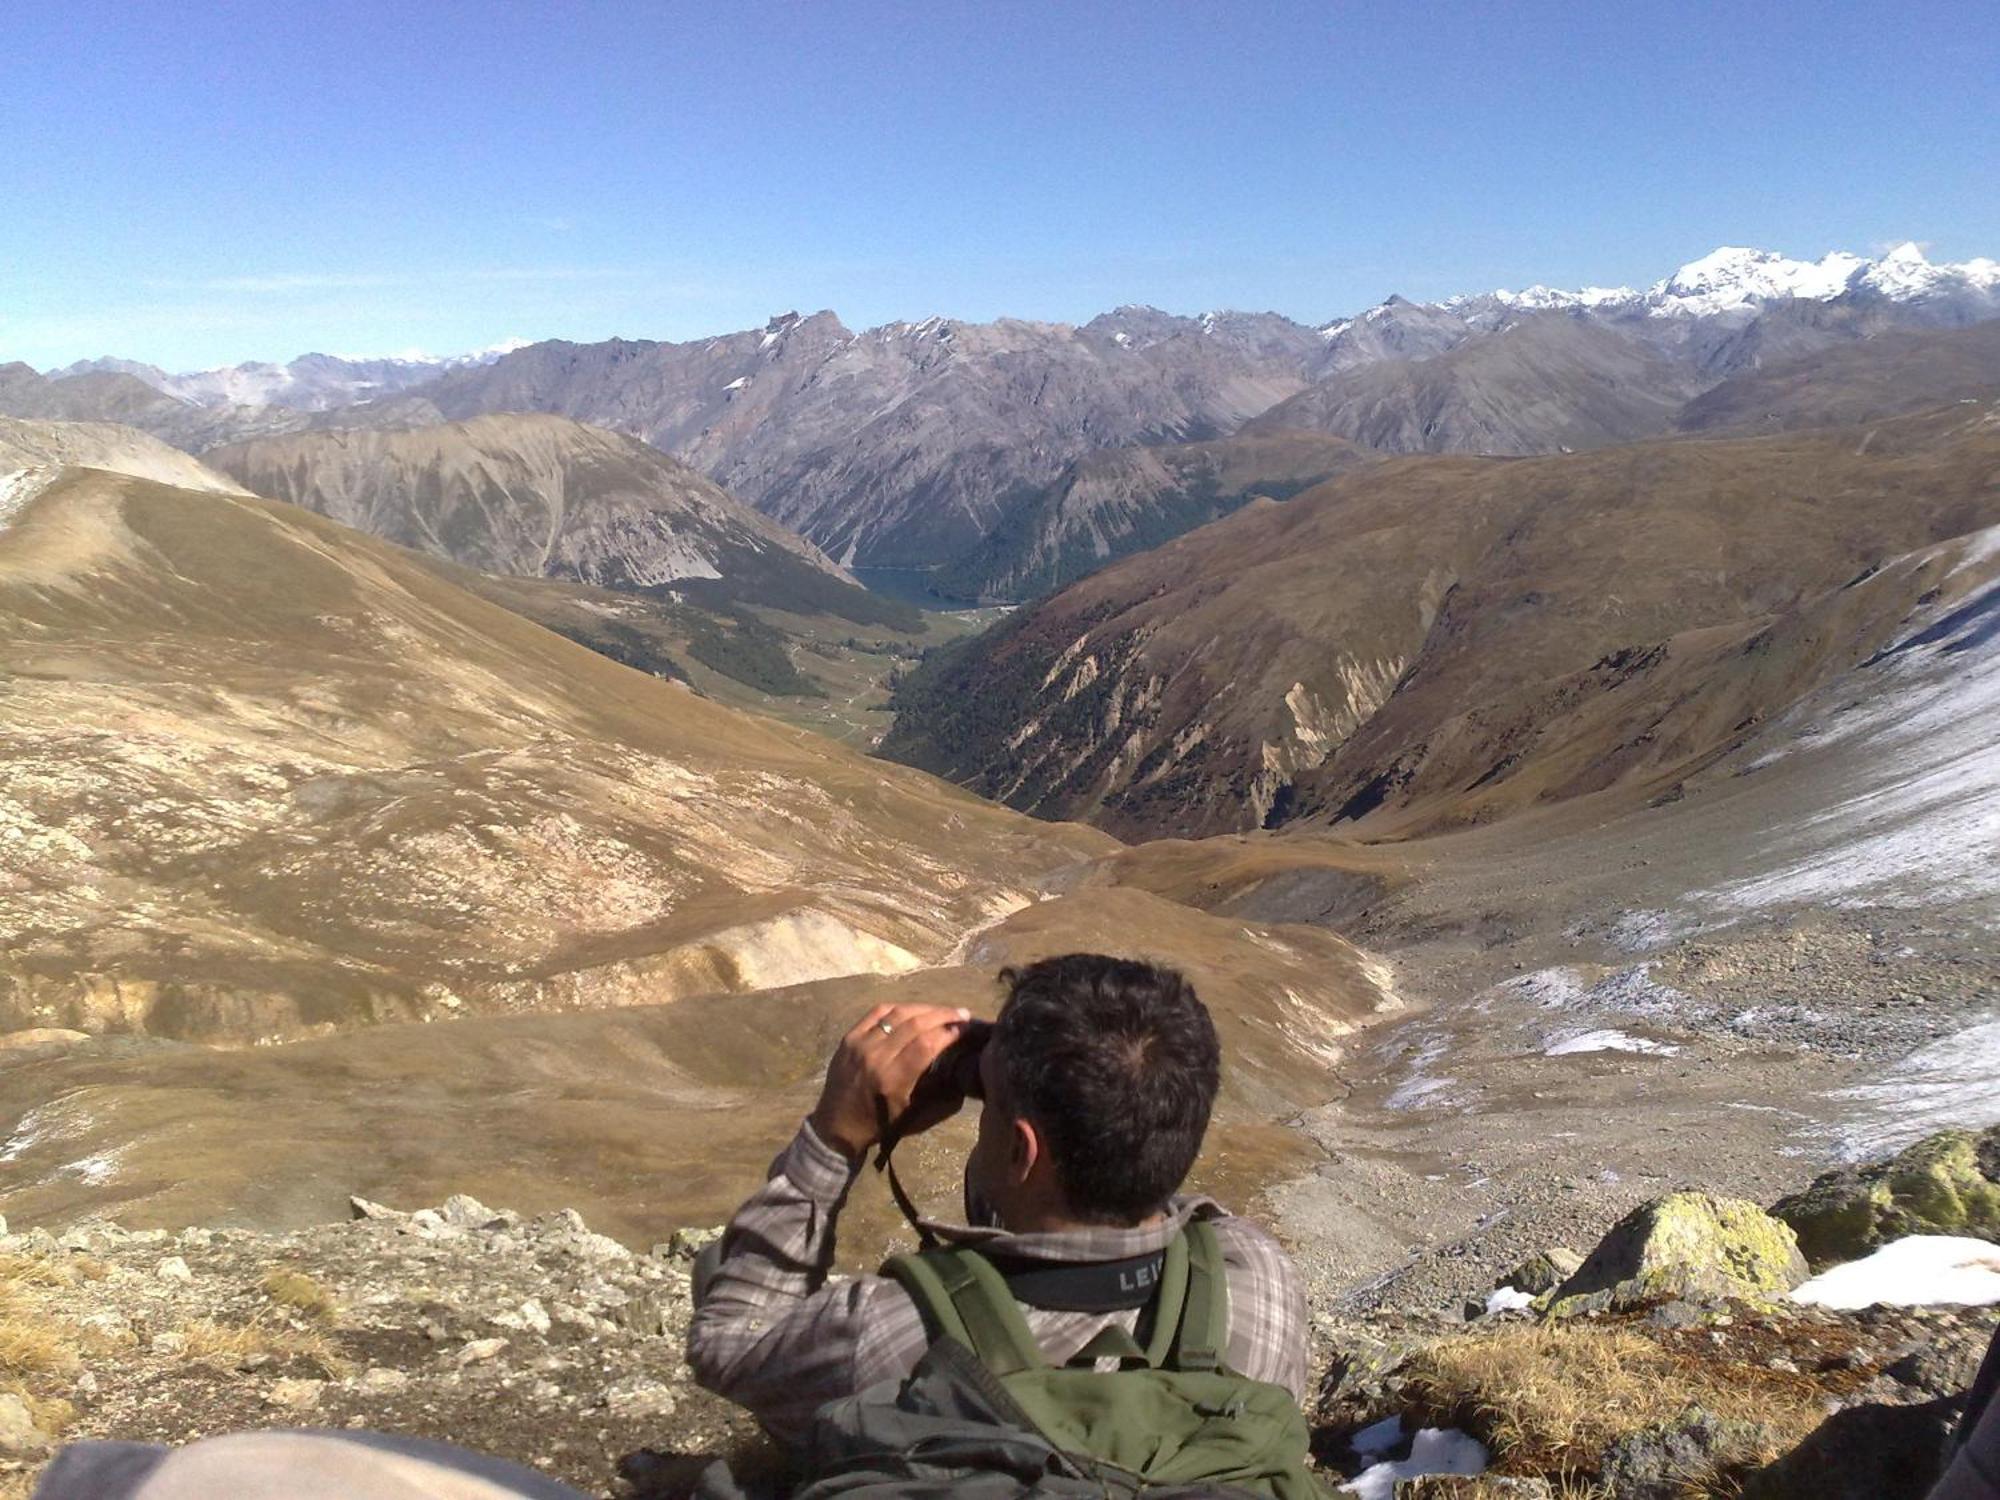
(965, 450)
(312, 382)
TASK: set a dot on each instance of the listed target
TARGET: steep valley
(1435, 641)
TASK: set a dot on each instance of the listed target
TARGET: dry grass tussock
(298, 1291)
(229, 1345)
(1548, 1399)
(19, 1486)
(33, 1341)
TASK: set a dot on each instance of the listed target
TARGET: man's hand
(881, 1059)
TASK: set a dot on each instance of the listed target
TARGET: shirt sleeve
(771, 1333)
(1267, 1306)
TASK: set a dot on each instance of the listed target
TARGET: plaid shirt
(773, 1334)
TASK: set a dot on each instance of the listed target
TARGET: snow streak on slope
(1951, 1084)
(1918, 815)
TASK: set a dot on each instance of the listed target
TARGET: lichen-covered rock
(1948, 1183)
(1689, 1246)
(1543, 1271)
(1682, 1457)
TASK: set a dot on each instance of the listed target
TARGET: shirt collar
(1092, 1242)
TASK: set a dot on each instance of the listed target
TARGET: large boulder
(1948, 1183)
(1689, 1246)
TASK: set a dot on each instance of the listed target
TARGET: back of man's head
(1116, 1064)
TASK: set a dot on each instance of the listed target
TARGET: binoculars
(954, 1073)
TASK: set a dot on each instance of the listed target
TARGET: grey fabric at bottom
(287, 1465)
(1975, 1469)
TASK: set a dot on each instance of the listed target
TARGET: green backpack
(985, 1415)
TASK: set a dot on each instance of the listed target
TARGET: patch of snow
(1420, 1088)
(18, 488)
(1632, 991)
(1980, 547)
(55, 1121)
(1509, 1299)
(1643, 931)
(1924, 1270)
(1434, 1450)
(738, 383)
(94, 1170)
(1952, 1081)
(1551, 989)
(1605, 1041)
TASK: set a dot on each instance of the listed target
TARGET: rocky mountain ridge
(530, 495)
(916, 444)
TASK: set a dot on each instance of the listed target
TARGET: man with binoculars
(1097, 1081)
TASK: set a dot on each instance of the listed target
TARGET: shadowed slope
(1548, 384)
(1124, 500)
(1890, 375)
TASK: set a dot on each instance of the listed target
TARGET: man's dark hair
(1117, 1065)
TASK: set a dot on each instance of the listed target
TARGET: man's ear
(1024, 1150)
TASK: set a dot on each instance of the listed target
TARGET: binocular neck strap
(889, 1134)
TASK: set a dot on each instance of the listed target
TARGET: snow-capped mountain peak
(1906, 273)
(1735, 276)
(1739, 279)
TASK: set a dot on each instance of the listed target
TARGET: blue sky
(212, 181)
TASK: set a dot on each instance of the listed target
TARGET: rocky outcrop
(1688, 1246)
(1543, 1271)
(1947, 1183)
(535, 1339)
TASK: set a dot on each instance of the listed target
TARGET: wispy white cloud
(296, 281)
(293, 283)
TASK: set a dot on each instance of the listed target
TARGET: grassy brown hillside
(268, 776)
(1444, 638)
(610, 542)
(264, 780)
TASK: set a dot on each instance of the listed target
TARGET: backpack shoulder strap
(1201, 1336)
(962, 1297)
